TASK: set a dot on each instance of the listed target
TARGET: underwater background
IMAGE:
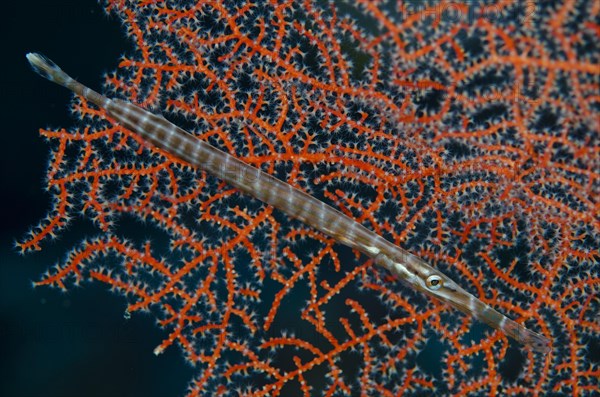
(55, 343)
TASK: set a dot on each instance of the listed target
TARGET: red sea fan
(465, 132)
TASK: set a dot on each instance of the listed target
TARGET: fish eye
(434, 282)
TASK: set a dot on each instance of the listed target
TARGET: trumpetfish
(406, 266)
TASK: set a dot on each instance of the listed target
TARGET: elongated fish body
(407, 267)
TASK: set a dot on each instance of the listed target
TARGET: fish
(407, 267)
